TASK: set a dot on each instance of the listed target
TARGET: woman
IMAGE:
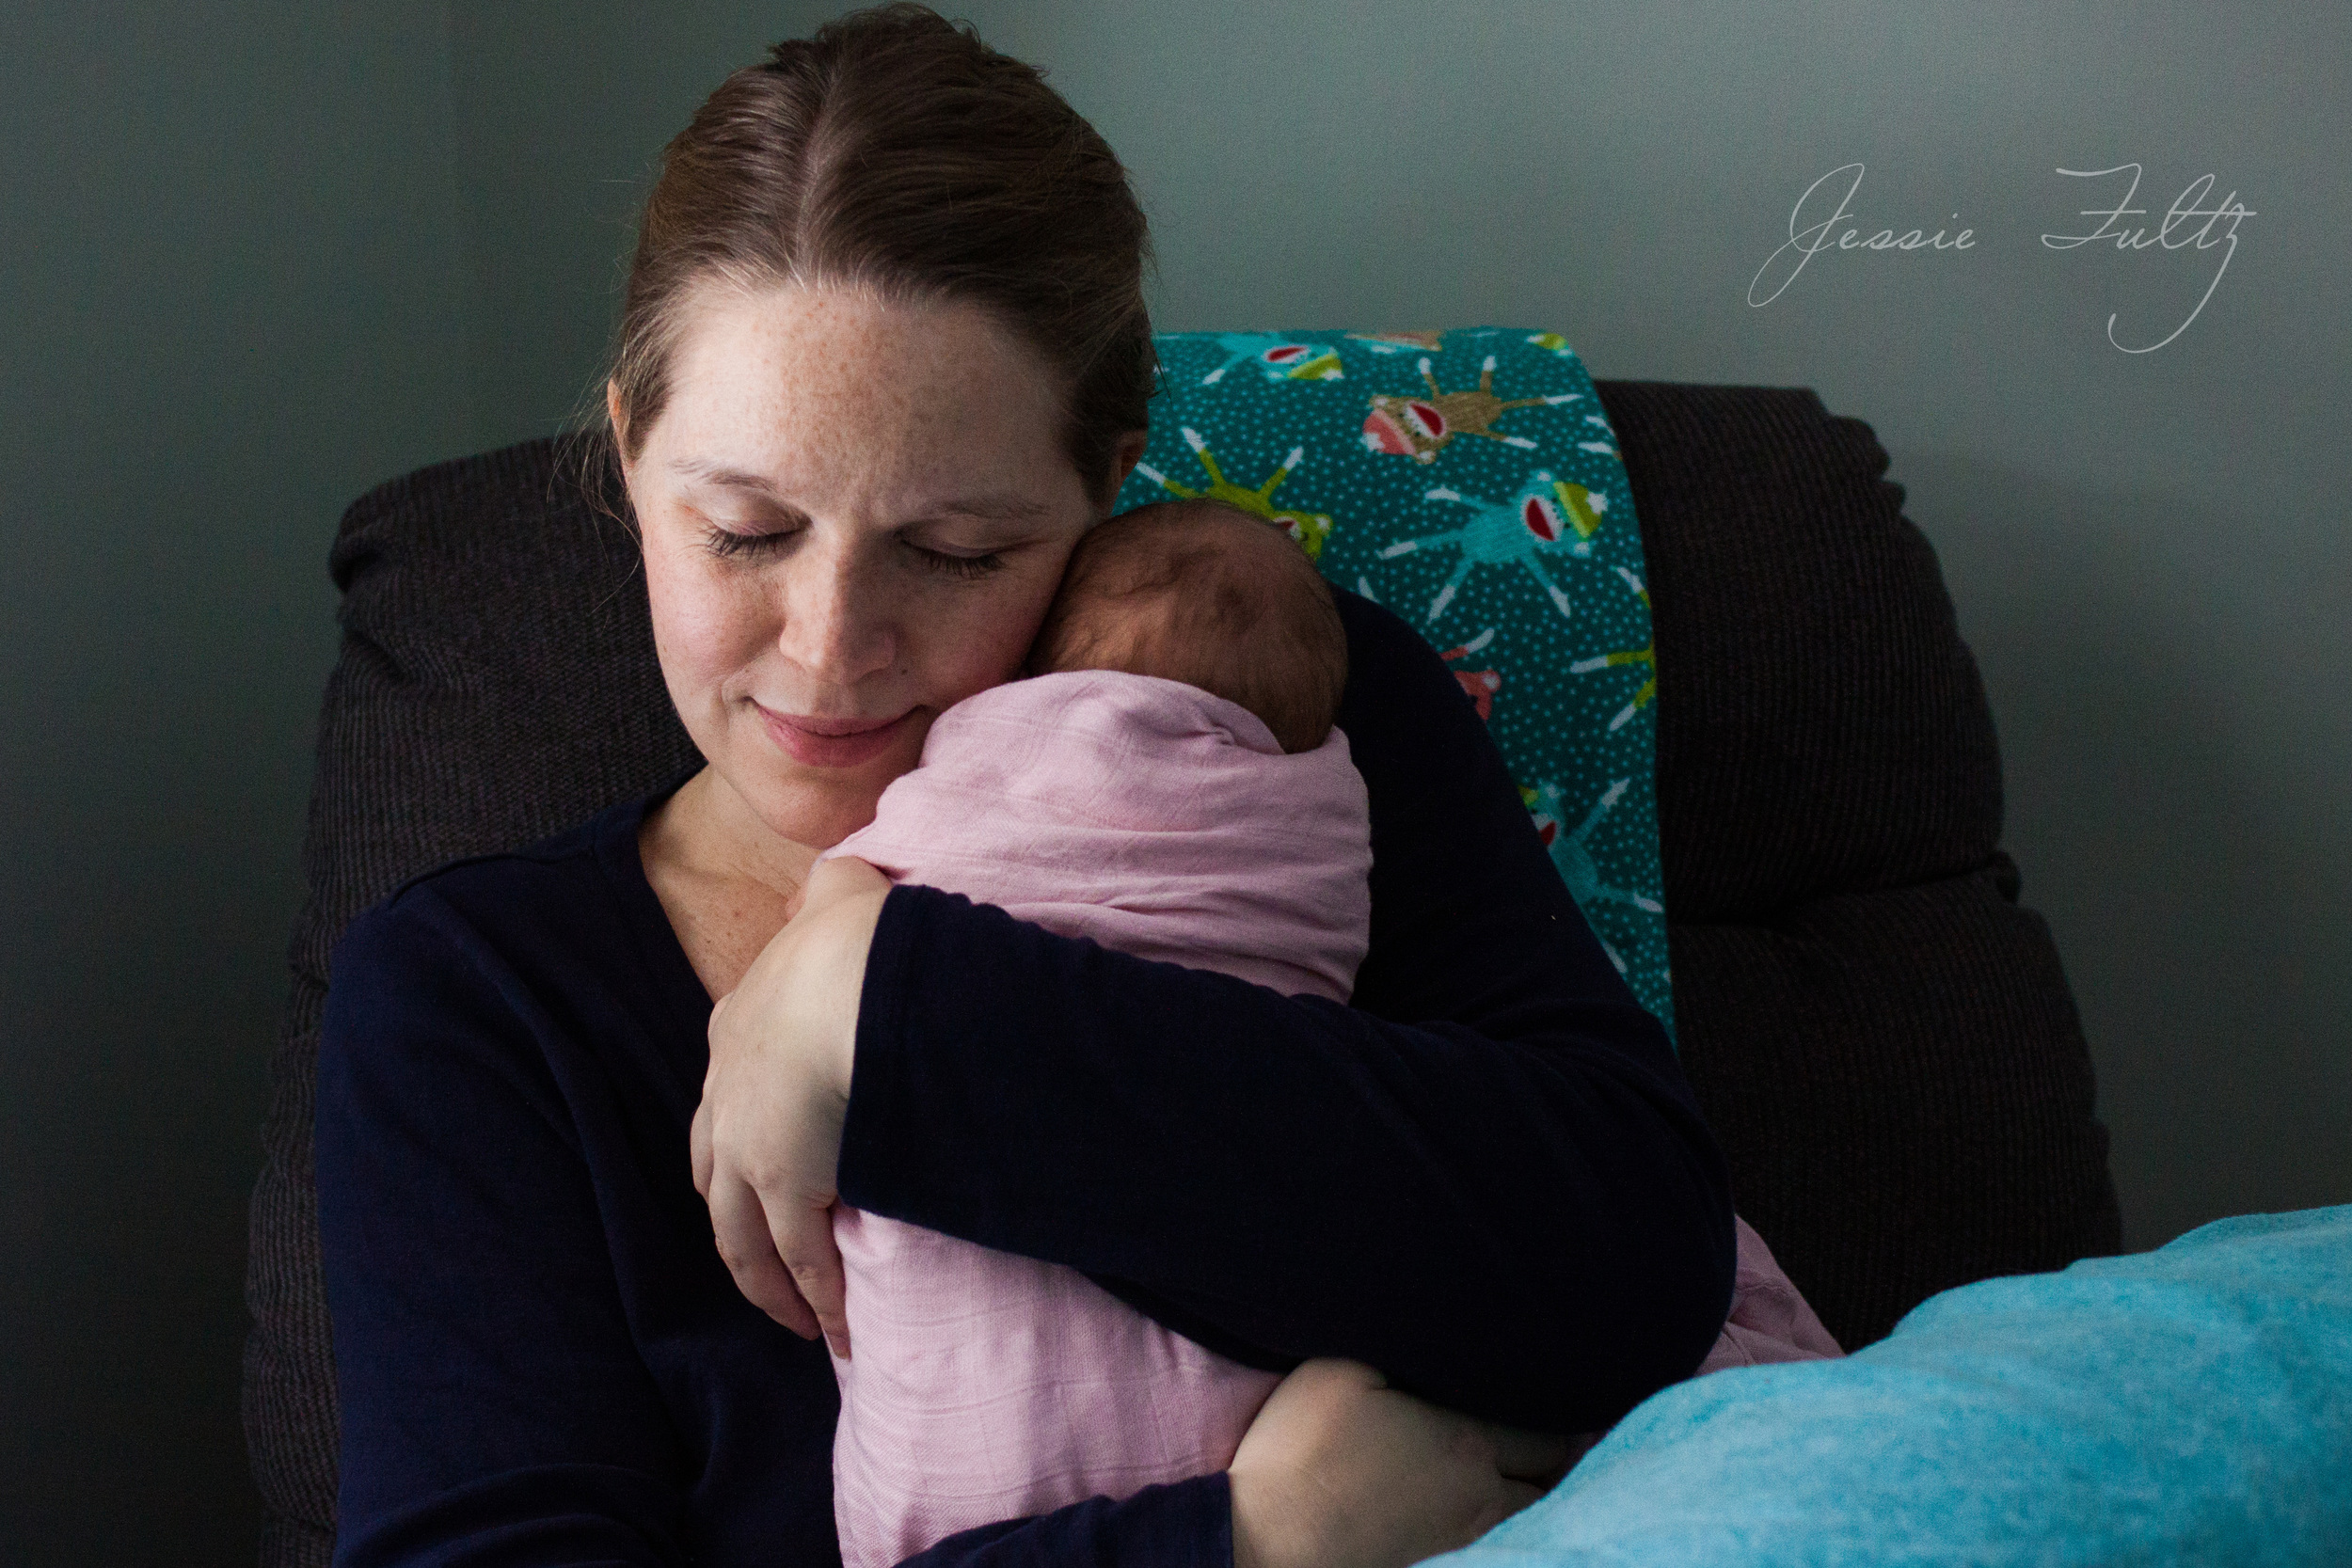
(883, 359)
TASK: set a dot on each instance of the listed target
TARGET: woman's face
(854, 514)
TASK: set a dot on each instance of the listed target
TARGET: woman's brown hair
(897, 153)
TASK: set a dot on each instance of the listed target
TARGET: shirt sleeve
(1486, 1177)
(496, 1410)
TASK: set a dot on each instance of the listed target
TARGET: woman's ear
(620, 423)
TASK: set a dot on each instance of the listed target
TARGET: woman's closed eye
(727, 543)
(954, 566)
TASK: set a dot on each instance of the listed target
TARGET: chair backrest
(1882, 1038)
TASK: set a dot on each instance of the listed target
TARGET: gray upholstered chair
(1883, 1037)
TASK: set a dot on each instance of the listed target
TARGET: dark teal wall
(563, 111)
(230, 299)
(255, 259)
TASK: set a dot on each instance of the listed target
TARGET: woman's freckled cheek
(705, 629)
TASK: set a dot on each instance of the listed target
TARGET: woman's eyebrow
(985, 508)
(993, 509)
(710, 472)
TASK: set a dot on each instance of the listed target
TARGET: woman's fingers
(749, 1250)
(1346, 1472)
(766, 1140)
(1530, 1456)
(1510, 1495)
(776, 1241)
(1340, 1471)
(698, 1145)
(803, 1234)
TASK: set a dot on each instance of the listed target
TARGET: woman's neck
(726, 879)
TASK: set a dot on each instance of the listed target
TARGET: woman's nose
(837, 623)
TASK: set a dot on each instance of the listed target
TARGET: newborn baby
(1169, 783)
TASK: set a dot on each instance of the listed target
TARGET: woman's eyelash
(726, 543)
(965, 566)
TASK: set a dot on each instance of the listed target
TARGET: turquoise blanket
(2187, 1405)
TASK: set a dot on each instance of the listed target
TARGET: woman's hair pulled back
(897, 153)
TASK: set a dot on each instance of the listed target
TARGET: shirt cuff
(1183, 1524)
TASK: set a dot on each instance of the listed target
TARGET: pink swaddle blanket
(1164, 822)
(1168, 823)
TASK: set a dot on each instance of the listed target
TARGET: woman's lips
(832, 742)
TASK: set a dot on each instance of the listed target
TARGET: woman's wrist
(1253, 1522)
(841, 904)
(838, 951)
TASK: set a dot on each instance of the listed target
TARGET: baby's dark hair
(1203, 593)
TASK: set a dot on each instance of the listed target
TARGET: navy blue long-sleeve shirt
(1484, 1177)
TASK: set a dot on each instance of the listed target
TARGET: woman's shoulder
(1462, 886)
(1398, 687)
(575, 900)
(530, 976)
(1380, 640)
(1413, 731)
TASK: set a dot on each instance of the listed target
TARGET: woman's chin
(819, 804)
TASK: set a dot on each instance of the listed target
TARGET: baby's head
(1203, 592)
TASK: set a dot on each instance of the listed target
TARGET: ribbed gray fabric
(496, 684)
(1885, 1042)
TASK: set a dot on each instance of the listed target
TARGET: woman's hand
(767, 1137)
(1341, 1471)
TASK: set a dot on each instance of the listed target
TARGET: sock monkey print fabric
(1469, 481)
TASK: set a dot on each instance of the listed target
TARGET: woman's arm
(1487, 1178)
(494, 1409)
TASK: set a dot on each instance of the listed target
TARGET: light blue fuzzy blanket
(2187, 1405)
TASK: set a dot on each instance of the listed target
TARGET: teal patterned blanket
(1467, 480)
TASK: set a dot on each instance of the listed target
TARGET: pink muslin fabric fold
(1163, 821)
(1769, 1321)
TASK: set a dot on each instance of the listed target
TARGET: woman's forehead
(797, 381)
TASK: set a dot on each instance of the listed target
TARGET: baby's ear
(1123, 460)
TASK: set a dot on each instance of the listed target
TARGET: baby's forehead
(1192, 529)
(1192, 565)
